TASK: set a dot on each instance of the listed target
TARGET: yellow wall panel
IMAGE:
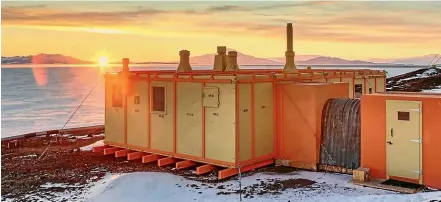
(220, 125)
(162, 123)
(245, 121)
(380, 84)
(264, 132)
(137, 113)
(189, 118)
(370, 83)
(114, 116)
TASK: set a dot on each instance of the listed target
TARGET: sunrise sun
(103, 61)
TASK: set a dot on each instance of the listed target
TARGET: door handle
(389, 142)
(392, 132)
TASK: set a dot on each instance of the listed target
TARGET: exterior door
(403, 139)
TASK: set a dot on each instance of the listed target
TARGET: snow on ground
(434, 90)
(91, 146)
(27, 156)
(87, 136)
(154, 186)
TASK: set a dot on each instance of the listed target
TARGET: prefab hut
(227, 117)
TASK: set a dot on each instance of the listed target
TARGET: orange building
(224, 117)
(401, 137)
(300, 121)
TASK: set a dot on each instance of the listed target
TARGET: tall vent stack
(290, 65)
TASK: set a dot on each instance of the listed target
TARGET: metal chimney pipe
(289, 36)
(290, 65)
(125, 62)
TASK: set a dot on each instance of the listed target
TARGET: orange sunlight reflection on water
(40, 75)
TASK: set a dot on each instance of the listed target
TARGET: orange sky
(156, 31)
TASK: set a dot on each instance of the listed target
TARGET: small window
(137, 100)
(158, 98)
(358, 90)
(403, 116)
(117, 95)
(370, 90)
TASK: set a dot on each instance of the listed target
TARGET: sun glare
(103, 61)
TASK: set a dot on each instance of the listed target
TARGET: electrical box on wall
(211, 97)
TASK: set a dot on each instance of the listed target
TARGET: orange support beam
(99, 148)
(166, 161)
(135, 155)
(234, 171)
(150, 158)
(205, 169)
(185, 164)
(121, 153)
(111, 150)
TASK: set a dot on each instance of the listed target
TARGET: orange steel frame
(154, 76)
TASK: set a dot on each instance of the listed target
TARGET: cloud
(54, 17)
(266, 6)
(226, 8)
(337, 21)
(44, 16)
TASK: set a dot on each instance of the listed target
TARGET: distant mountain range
(419, 60)
(243, 59)
(43, 59)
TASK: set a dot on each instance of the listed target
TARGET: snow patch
(429, 72)
(60, 185)
(91, 146)
(433, 199)
(434, 90)
(154, 186)
(27, 156)
(169, 187)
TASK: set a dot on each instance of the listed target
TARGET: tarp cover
(340, 144)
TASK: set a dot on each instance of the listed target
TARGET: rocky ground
(416, 81)
(26, 172)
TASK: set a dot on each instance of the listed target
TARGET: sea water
(45, 97)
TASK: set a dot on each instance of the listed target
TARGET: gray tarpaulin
(340, 144)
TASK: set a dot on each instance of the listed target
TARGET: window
(403, 116)
(370, 90)
(358, 90)
(137, 100)
(158, 98)
(117, 95)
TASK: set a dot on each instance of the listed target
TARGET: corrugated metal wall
(340, 145)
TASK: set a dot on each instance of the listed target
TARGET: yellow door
(403, 139)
